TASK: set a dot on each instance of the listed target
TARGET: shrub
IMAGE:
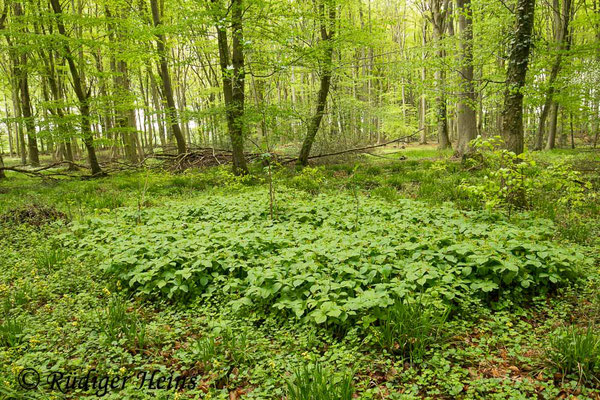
(310, 180)
(313, 382)
(514, 181)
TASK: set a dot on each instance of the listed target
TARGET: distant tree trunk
(20, 69)
(8, 126)
(512, 115)
(83, 96)
(467, 117)
(572, 130)
(439, 10)
(325, 84)
(125, 109)
(552, 129)
(596, 99)
(166, 80)
(158, 110)
(20, 135)
(561, 30)
(423, 99)
(2, 175)
(33, 152)
(57, 110)
(234, 83)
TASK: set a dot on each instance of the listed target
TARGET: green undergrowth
(375, 279)
(325, 259)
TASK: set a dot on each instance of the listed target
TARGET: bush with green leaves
(512, 182)
(313, 382)
(310, 179)
(315, 261)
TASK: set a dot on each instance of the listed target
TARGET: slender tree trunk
(33, 152)
(234, 84)
(83, 96)
(512, 115)
(439, 8)
(9, 132)
(423, 99)
(20, 69)
(165, 77)
(325, 84)
(467, 117)
(57, 110)
(561, 30)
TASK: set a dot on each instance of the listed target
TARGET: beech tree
(327, 30)
(165, 77)
(518, 61)
(83, 94)
(121, 80)
(233, 76)
(467, 114)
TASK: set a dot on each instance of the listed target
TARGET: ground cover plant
(364, 279)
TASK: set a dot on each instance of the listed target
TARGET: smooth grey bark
(53, 79)
(423, 99)
(467, 116)
(124, 105)
(20, 65)
(165, 77)
(518, 61)
(234, 78)
(83, 96)
(327, 35)
(561, 21)
(439, 10)
(2, 175)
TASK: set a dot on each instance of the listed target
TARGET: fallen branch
(37, 172)
(360, 149)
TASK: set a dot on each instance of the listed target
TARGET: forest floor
(240, 285)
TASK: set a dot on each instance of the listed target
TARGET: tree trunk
(165, 77)
(33, 152)
(467, 117)
(512, 115)
(325, 84)
(57, 96)
(561, 30)
(423, 99)
(2, 175)
(83, 96)
(439, 8)
(553, 124)
(234, 84)
(21, 74)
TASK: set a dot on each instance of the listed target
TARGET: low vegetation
(367, 279)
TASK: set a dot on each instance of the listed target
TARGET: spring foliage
(322, 259)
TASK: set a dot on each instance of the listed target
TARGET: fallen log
(360, 149)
